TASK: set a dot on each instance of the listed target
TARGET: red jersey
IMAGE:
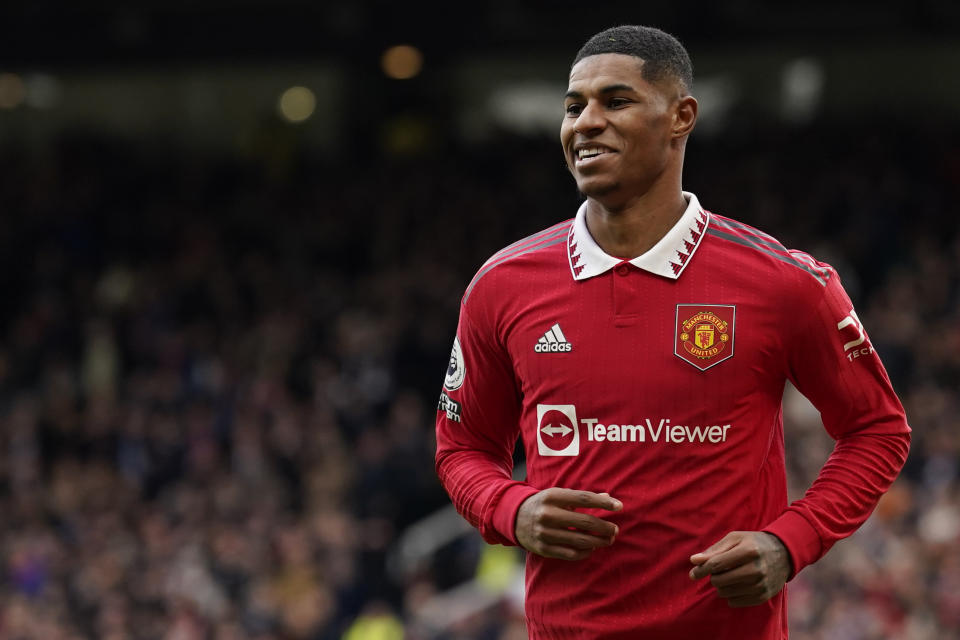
(660, 380)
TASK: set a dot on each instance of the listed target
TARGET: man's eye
(573, 109)
(618, 102)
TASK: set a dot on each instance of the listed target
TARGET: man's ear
(684, 116)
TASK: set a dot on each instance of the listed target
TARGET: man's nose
(591, 120)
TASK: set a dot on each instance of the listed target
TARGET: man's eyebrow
(608, 89)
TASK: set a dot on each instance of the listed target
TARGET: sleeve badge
(455, 371)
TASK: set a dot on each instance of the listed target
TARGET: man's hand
(549, 525)
(746, 567)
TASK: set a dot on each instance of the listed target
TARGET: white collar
(667, 258)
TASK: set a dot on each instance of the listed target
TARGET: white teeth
(589, 153)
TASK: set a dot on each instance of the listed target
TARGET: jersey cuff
(505, 513)
(799, 537)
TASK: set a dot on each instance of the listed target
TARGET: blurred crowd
(218, 375)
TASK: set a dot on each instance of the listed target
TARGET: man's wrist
(783, 550)
(504, 518)
(801, 540)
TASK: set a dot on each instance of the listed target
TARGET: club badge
(704, 335)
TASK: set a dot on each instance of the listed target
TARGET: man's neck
(633, 230)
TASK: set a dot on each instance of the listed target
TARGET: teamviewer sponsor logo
(557, 433)
(553, 341)
(659, 430)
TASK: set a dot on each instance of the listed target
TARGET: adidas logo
(553, 341)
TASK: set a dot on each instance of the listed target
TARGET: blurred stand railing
(499, 577)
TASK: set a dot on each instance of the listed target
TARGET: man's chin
(596, 189)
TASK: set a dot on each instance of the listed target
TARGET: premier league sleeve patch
(455, 371)
(705, 333)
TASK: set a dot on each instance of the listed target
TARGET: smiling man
(640, 352)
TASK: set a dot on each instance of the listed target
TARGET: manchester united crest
(705, 333)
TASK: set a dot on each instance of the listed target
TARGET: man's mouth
(590, 152)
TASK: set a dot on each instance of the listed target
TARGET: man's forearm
(860, 469)
(483, 491)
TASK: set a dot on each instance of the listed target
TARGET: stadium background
(231, 252)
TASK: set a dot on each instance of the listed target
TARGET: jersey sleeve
(833, 364)
(477, 428)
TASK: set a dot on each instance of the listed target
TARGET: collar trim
(668, 258)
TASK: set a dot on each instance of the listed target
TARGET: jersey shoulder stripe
(529, 240)
(736, 225)
(747, 236)
(541, 240)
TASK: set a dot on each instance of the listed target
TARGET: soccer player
(640, 351)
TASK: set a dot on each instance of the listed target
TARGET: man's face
(617, 134)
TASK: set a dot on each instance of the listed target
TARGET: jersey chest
(630, 341)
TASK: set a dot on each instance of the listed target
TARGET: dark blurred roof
(108, 32)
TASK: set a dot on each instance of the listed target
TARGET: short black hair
(662, 53)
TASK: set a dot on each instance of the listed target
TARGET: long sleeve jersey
(660, 380)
